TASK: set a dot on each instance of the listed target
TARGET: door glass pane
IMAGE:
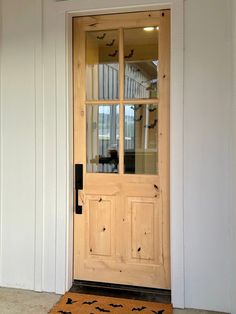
(102, 65)
(102, 138)
(141, 63)
(141, 137)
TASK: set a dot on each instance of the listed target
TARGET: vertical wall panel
(62, 153)
(39, 197)
(233, 262)
(0, 142)
(50, 150)
(18, 104)
(207, 124)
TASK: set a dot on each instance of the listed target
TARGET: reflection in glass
(141, 63)
(102, 138)
(141, 136)
(102, 65)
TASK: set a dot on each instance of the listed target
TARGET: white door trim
(60, 15)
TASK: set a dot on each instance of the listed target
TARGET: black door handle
(78, 186)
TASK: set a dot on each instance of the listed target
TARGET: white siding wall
(233, 293)
(34, 147)
(20, 140)
(207, 126)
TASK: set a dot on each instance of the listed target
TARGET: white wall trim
(38, 70)
(233, 163)
(177, 155)
(1, 150)
(61, 14)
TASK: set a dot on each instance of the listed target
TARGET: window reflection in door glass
(102, 65)
(103, 138)
(141, 63)
(141, 136)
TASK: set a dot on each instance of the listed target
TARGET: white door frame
(60, 14)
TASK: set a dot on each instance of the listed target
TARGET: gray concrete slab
(17, 301)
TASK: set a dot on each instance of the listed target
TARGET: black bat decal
(102, 310)
(101, 37)
(135, 108)
(70, 301)
(138, 119)
(139, 309)
(130, 55)
(90, 302)
(111, 43)
(151, 126)
(158, 312)
(152, 109)
(116, 305)
(63, 312)
(113, 54)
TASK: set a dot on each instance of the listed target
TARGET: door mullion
(121, 63)
(121, 96)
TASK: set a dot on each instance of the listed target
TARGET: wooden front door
(121, 139)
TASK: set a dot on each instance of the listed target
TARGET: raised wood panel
(144, 217)
(100, 224)
(142, 230)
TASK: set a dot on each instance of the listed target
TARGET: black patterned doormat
(75, 303)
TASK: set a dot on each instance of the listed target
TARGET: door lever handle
(78, 186)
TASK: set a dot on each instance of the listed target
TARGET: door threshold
(121, 291)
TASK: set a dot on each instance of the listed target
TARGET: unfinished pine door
(121, 138)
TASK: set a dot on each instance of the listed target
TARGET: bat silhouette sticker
(101, 37)
(113, 54)
(111, 43)
(152, 125)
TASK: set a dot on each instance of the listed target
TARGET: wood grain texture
(133, 209)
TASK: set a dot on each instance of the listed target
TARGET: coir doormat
(75, 303)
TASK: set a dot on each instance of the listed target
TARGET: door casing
(62, 13)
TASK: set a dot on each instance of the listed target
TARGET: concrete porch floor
(16, 301)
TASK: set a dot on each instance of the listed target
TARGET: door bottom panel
(122, 291)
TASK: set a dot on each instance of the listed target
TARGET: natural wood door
(121, 137)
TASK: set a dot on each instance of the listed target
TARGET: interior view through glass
(109, 96)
